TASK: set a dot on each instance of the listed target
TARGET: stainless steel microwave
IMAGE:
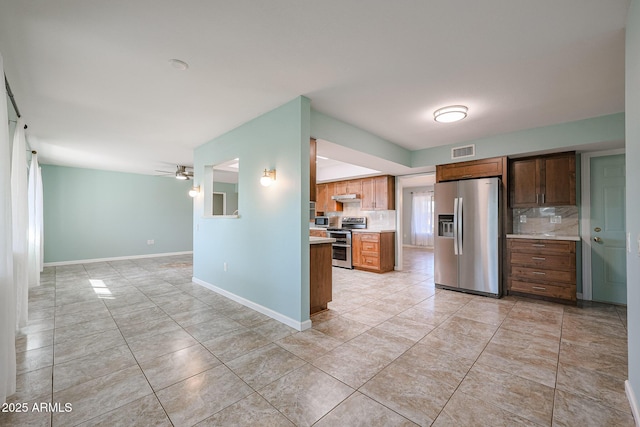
(326, 221)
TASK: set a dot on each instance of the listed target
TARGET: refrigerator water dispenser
(445, 225)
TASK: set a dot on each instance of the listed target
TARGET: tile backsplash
(376, 220)
(559, 220)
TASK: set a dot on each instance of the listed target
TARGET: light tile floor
(136, 343)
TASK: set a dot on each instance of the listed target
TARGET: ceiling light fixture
(178, 64)
(452, 113)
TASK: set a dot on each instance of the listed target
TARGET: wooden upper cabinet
(524, 183)
(560, 180)
(341, 187)
(324, 203)
(483, 168)
(312, 170)
(352, 186)
(543, 181)
(378, 193)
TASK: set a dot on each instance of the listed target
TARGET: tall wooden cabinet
(543, 181)
(312, 169)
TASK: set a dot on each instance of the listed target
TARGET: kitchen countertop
(371, 230)
(318, 240)
(543, 237)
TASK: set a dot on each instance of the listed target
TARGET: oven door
(341, 255)
(341, 248)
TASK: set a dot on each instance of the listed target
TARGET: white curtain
(35, 222)
(20, 217)
(422, 219)
(7, 294)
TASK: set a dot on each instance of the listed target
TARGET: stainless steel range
(341, 248)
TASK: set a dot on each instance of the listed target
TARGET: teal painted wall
(338, 132)
(632, 108)
(556, 137)
(91, 214)
(267, 248)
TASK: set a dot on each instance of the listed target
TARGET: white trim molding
(300, 326)
(117, 258)
(633, 402)
(585, 216)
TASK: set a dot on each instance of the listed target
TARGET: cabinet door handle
(539, 288)
(540, 273)
(466, 176)
(543, 198)
(537, 197)
(537, 258)
(537, 245)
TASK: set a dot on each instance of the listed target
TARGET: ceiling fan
(180, 173)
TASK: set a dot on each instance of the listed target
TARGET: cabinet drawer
(541, 246)
(370, 237)
(553, 291)
(371, 261)
(556, 276)
(555, 261)
(370, 247)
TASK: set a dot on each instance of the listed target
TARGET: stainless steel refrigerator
(468, 237)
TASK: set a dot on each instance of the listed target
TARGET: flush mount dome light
(178, 64)
(452, 113)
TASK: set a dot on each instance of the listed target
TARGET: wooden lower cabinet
(373, 251)
(320, 277)
(543, 268)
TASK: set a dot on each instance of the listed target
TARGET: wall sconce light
(268, 177)
(194, 191)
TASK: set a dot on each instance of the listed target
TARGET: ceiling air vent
(466, 151)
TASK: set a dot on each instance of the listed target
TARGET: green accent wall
(553, 138)
(632, 108)
(92, 214)
(266, 249)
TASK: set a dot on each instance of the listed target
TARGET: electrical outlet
(523, 219)
(556, 219)
(151, 242)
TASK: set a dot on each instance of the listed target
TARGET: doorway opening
(414, 210)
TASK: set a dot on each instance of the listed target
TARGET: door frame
(585, 216)
(400, 179)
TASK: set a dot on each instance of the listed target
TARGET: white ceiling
(94, 82)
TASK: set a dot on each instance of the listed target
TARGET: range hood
(345, 198)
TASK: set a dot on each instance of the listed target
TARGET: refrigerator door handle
(455, 226)
(460, 234)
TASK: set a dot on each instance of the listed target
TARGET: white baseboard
(117, 258)
(300, 326)
(633, 402)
